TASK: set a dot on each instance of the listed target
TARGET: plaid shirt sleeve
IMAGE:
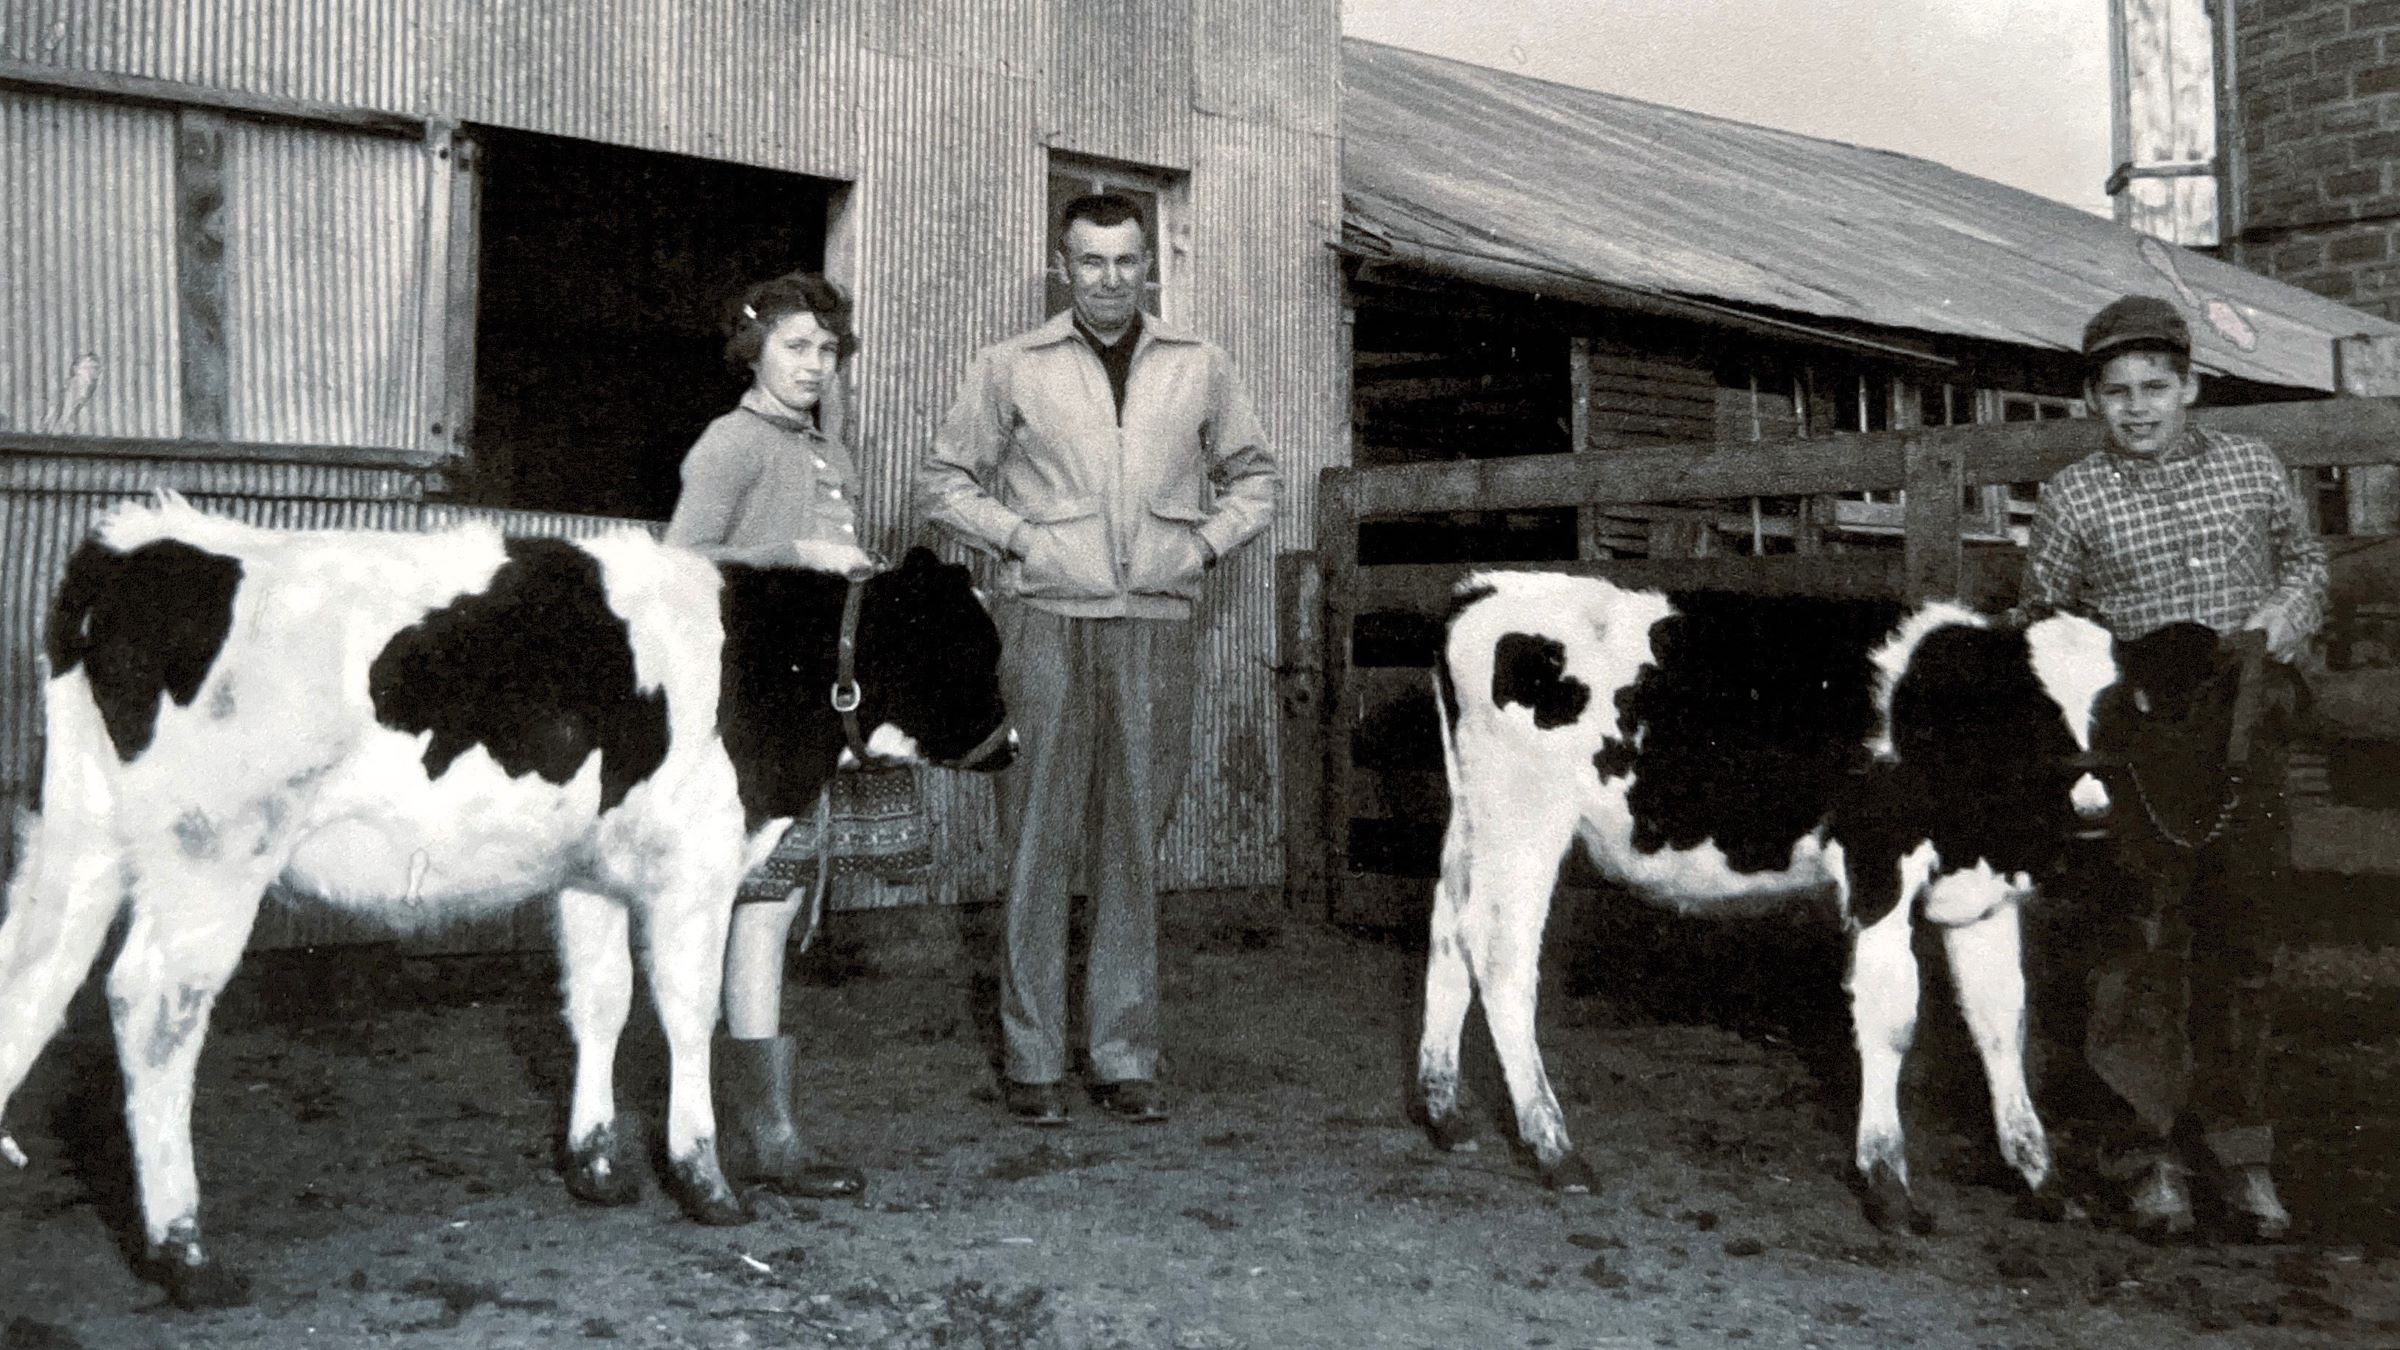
(2054, 554)
(2301, 569)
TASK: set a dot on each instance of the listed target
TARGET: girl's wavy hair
(749, 315)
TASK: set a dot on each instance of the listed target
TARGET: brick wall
(2319, 99)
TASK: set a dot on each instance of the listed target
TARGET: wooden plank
(34, 78)
(2367, 367)
(200, 273)
(2307, 434)
(1676, 391)
(189, 448)
(434, 277)
(2311, 434)
(1337, 574)
(1653, 372)
(1676, 412)
(1932, 556)
(1986, 575)
(1590, 533)
(1389, 396)
(1426, 588)
(1299, 684)
(465, 287)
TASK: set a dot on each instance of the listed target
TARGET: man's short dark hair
(1102, 209)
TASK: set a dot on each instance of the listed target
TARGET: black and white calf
(418, 728)
(1713, 750)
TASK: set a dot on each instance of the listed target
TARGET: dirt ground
(376, 1133)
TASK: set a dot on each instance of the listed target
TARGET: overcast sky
(2013, 90)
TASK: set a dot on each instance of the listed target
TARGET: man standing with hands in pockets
(1110, 459)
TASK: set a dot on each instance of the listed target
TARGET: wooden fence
(1362, 836)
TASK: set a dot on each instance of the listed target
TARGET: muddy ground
(376, 1131)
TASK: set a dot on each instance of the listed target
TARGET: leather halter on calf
(845, 695)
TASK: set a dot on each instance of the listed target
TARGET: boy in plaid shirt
(2171, 523)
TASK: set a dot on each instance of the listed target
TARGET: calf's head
(927, 669)
(2173, 729)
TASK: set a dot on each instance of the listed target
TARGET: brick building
(2316, 110)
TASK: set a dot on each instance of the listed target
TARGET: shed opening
(604, 275)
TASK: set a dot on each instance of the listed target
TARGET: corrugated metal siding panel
(48, 505)
(1007, 37)
(1120, 80)
(948, 150)
(367, 53)
(767, 84)
(324, 249)
(1270, 61)
(87, 268)
(1265, 202)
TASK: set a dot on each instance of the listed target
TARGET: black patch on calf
(1754, 715)
(1983, 767)
(535, 668)
(1531, 670)
(142, 623)
(928, 663)
(774, 700)
(2169, 719)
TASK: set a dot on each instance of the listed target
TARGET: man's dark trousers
(1103, 711)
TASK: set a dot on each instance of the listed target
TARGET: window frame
(1168, 194)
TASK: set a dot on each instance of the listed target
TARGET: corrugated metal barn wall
(940, 116)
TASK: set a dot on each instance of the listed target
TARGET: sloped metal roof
(1497, 176)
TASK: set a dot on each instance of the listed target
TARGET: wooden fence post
(1932, 555)
(2369, 366)
(1299, 682)
(1337, 574)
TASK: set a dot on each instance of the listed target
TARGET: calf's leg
(178, 953)
(1449, 988)
(684, 934)
(60, 905)
(1883, 1016)
(596, 966)
(1508, 904)
(1987, 967)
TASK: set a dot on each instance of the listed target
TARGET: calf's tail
(67, 890)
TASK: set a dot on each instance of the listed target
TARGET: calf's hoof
(1889, 1205)
(2160, 1208)
(1451, 1131)
(2050, 1204)
(1569, 1175)
(194, 1282)
(597, 1173)
(700, 1188)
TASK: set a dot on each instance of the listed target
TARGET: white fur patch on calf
(2075, 659)
(1892, 660)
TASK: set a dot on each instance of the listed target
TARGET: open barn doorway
(604, 272)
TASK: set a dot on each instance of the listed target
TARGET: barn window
(1162, 197)
(598, 355)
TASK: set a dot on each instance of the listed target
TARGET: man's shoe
(1135, 1100)
(1037, 1104)
(2161, 1206)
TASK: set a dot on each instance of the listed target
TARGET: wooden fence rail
(1376, 622)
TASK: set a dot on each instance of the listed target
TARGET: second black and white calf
(1715, 750)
